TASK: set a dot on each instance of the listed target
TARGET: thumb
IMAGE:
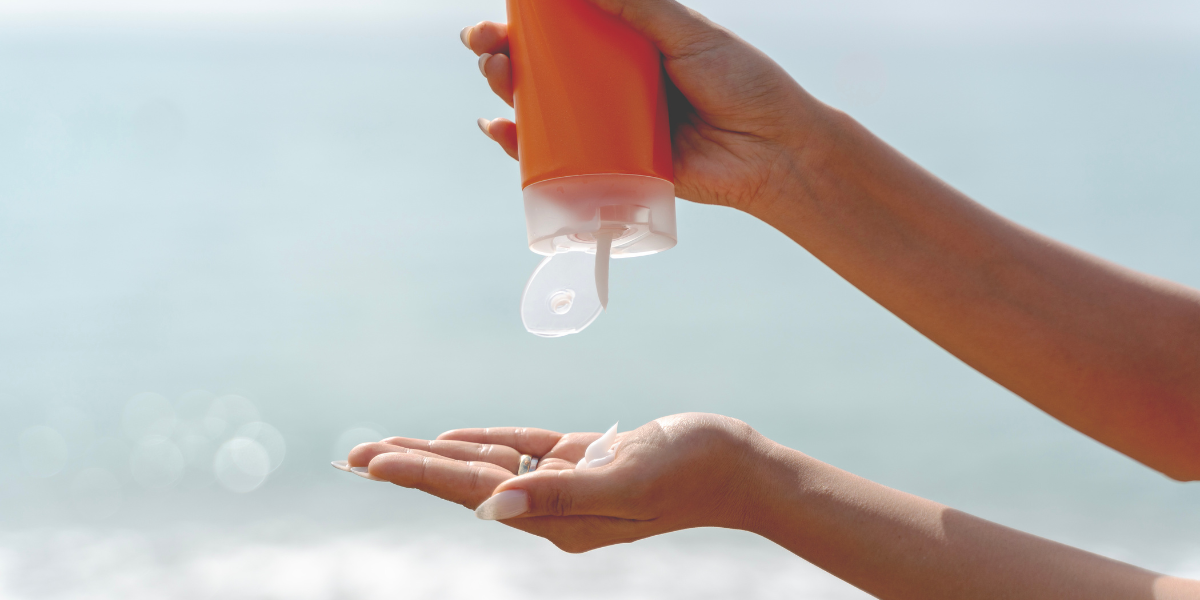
(555, 493)
(677, 30)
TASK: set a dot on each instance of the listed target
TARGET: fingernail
(362, 472)
(483, 126)
(465, 36)
(341, 465)
(483, 58)
(504, 505)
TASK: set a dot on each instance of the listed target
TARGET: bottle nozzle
(561, 297)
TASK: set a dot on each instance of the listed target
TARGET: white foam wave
(131, 566)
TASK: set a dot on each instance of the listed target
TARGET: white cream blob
(600, 452)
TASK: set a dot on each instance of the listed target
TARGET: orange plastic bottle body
(589, 93)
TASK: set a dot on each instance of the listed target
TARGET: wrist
(776, 476)
(746, 481)
(808, 152)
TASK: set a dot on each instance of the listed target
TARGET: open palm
(673, 473)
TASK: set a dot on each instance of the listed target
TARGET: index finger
(531, 441)
(466, 483)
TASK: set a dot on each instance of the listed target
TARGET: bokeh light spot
(269, 438)
(242, 465)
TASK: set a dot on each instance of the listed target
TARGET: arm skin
(699, 470)
(1109, 351)
(896, 545)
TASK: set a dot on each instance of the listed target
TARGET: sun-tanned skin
(1111, 352)
(699, 470)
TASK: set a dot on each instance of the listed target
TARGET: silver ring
(528, 463)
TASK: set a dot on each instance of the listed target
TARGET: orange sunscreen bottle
(595, 145)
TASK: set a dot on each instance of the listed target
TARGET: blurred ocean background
(239, 237)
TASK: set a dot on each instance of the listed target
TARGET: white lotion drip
(604, 239)
(600, 452)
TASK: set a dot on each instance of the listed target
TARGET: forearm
(1112, 352)
(897, 546)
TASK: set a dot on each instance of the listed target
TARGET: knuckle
(701, 42)
(557, 503)
(577, 439)
(424, 471)
(475, 473)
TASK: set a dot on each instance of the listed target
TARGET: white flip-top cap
(581, 217)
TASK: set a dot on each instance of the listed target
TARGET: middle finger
(496, 454)
(362, 455)
(498, 71)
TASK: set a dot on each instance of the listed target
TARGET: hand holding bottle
(739, 121)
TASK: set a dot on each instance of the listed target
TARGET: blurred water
(256, 246)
